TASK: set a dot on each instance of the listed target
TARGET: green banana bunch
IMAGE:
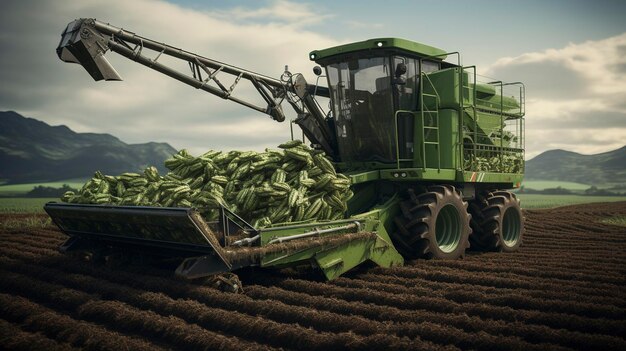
(293, 183)
(510, 163)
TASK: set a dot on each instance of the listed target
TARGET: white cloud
(597, 61)
(362, 25)
(575, 95)
(281, 11)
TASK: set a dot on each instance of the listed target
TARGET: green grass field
(23, 205)
(535, 201)
(21, 189)
(551, 184)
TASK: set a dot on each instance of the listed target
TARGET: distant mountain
(605, 168)
(32, 151)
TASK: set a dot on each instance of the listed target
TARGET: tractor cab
(368, 83)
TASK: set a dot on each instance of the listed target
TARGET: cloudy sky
(571, 54)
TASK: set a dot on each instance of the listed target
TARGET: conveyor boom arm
(85, 41)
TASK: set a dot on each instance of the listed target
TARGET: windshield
(363, 109)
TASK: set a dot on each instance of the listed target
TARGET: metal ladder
(433, 115)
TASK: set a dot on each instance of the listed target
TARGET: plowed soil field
(564, 289)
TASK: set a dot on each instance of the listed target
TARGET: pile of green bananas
(291, 184)
(509, 163)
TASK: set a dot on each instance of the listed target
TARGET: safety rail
(476, 153)
(491, 158)
(398, 159)
(504, 143)
(472, 105)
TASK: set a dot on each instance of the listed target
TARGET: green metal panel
(334, 261)
(495, 102)
(449, 138)
(484, 125)
(419, 174)
(489, 177)
(337, 261)
(363, 177)
(369, 224)
(401, 45)
(446, 86)
(486, 128)
(485, 90)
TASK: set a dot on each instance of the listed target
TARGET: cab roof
(386, 44)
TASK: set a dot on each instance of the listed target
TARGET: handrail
(520, 131)
(472, 97)
(397, 141)
(424, 109)
(475, 118)
(438, 98)
(500, 83)
(398, 159)
(499, 149)
(522, 96)
(431, 84)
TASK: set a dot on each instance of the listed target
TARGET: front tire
(497, 222)
(434, 224)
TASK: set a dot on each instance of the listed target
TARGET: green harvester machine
(428, 150)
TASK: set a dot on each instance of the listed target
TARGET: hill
(33, 151)
(599, 169)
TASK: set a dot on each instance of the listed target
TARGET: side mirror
(317, 70)
(400, 70)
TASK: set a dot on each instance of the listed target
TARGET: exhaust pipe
(81, 44)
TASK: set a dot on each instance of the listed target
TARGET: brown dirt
(564, 289)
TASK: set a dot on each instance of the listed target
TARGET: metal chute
(81, 45)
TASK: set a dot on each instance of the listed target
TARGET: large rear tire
(497, 222)
(434, 224)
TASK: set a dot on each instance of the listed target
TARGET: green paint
(337, 261)
(419, 174)
(378, 45)
(363, 177)
(334, 261)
